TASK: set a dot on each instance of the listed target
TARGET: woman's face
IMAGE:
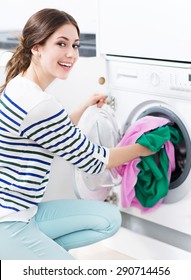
(59, 54)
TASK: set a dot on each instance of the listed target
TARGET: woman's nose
(72, 52)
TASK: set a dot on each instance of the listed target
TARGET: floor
(128, 245)
(98, 252)
(102, 250)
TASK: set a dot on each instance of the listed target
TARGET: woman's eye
(62, 44)
(77, 46)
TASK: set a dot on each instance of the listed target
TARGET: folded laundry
(145, 181)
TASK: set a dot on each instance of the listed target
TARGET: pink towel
(129, 170)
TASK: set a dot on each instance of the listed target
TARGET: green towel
(152, 182)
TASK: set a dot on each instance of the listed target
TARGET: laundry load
(145, 181)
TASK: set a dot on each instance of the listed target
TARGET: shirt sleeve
(49, 125)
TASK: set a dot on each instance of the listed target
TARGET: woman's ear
(35, 50)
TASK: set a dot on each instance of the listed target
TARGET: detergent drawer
(124, 74)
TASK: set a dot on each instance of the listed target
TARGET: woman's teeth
(65, 64)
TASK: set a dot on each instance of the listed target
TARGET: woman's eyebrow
(63, 37)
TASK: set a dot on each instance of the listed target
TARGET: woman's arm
(117, 155)
(97, 98)
(120, 155)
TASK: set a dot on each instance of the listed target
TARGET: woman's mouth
(66, 66)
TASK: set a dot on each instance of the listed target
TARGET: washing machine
(148, 71)
(138, 88)
(157, 88)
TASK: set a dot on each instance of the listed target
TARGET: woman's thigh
(24, 241)
(58, 226)
(75, 223)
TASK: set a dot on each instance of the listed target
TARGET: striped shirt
(34, 127)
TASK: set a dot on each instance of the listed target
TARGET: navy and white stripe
(32, 131)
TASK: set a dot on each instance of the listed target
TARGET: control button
(155, 79)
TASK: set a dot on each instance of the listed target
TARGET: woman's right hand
(144, 151)
(121, 155)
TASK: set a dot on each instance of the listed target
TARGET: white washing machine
(139, 88)
(149, 73)
(145, 87)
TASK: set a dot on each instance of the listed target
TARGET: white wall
(14, 13)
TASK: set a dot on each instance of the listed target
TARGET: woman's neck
(33, 74)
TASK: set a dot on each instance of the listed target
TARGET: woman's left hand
(97, 98)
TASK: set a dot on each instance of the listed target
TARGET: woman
(34, 128)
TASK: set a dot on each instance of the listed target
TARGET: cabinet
(145, 29)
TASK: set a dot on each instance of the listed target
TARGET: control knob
(155, 79)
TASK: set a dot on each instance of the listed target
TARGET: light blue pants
(58, 226)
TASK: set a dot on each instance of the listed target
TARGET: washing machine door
(101, 127)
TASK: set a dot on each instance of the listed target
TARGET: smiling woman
(68, 46)
(46, 49)
(34, 128)
(57, 56)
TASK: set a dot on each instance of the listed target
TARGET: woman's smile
(66, 65)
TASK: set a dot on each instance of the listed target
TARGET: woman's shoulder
(26, 93)
(21, 84)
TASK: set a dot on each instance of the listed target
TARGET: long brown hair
(39, 27)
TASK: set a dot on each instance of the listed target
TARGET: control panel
(158, 78)
(181, 80)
